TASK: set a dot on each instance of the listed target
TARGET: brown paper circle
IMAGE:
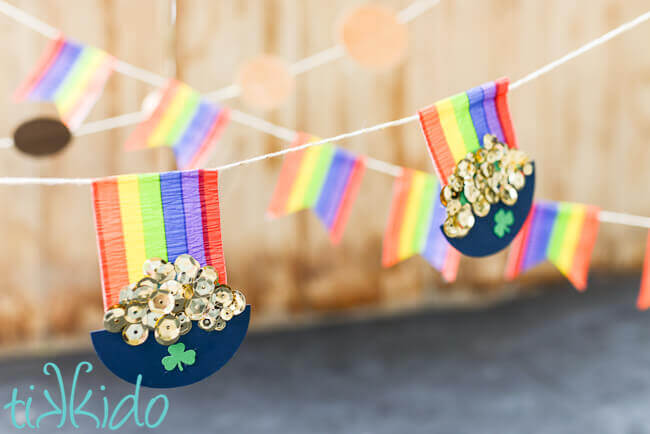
(373, 37)
(265, 82)
(41, 136)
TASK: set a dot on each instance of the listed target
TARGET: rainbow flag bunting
(184, 121)
(564, 233)
(324, 178)
(643, 301)
(155, 215)
(414, 224)
(71, 75)
(456, 125)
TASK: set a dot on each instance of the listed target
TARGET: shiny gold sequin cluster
(169, 298)
(491, 174)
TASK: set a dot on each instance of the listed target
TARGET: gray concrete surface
(558, 362)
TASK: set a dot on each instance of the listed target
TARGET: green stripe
(464, 120)
(190, 107)
(153, 222)
(424, 214)
(325, 157)
(559, 227)
(80, 68)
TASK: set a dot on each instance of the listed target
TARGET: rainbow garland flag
(414, 224)
(456, 125)
(186, 122)
(324, 178)
(155, 215)
(643, 302)
(71, 75)
(562, 232)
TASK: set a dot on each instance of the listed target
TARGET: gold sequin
(167, 330)
(134, 312)
(114, 319)
(135, 334)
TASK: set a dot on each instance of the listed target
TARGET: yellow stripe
(82, 81)
(410, 220)
(299, 190)
(450, 128)
(571, 239)
(172, 113)
(127, 187)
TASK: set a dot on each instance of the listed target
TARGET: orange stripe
(580, 266)
(443, 160)
(643, 302)
(518, 248)
(501, 100)
(349, 195)
(450, 267)
(48, 57)
(288, 172)
(401, 190)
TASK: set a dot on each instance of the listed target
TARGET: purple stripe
(193, 217)
(333, 189)
(190, 141)
(491, 115)
(435, 249)
(475, 97)
(541, 228)
(50, 82)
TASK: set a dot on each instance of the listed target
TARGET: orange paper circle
(373, 36)
(265, 82)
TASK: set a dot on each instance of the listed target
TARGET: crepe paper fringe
(155, 215)
(643, 302)
(324, 178)
(562, 232)
(71, 75)
(455, 126)
(184, 121)
(414, 223)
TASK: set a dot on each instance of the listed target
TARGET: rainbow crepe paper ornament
(160, 215)
(324, 178)
(562, 232)
(413, 224)
(184, 121)
(71, 75)
(643, 302)
(457, 131)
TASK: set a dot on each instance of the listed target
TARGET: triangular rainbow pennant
(414, 224)
(455, 126)
(70, 74)
(643, 302)
(562, 232)
(184, 121)
(155, 215)
(322, 177)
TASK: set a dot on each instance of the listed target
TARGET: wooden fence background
(586, 125)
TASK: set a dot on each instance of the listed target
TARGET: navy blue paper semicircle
(481, 239)
(213, 350)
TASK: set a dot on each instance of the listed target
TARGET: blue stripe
(435, 249)
(333, 189)
(477, 112)
(57, 73)
(171, 190)
(541, 229)
(190, 141)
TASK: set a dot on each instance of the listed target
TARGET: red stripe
(443, 160)
(501, 100)
(138, 138)
(518, 248)
(450, 267)
(349, 196)
(288, 173)
(209, 142)
(46, 60)
(643, 302)
(209, 190)
(110, 239)
(401, 189)
(580, 267)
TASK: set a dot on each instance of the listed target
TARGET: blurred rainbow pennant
(155, 215)
(414, 224)
(184, 121)
(321, 177)
(564, 233)
(643, 302)
(71, 75)
(455, 126)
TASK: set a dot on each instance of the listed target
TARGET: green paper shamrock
(178, 356)
(503, 219)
